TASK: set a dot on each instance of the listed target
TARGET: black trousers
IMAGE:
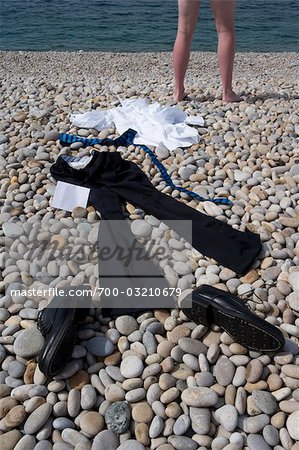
(113, 181)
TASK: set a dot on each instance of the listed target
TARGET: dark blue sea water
(140, 25)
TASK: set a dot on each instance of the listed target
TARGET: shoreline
(140, 66)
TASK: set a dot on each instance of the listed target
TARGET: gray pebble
(60, 408)
(52, 135)
(40, 391)
(182, 443)
(114, 373)
(135, 395)
(156, 427)
(257, 442)
(191, 361)
(126, 325)
(16, 369)
(149, 342)
(21, 393)
(186, 172)
(254, 424)
(219, 443)
(13, 382)
(131, 367)
(159, 409)
(161, 152)
(73, 402)
(88, 396)
(153, 393)
(140, 228)
(131, 444)
(62, 422)
(117, 417)
(271, 273)
(12, 230)
(37, 418)
(237, 438)
(181, 268)
(227, 415)
(204, 379)
(60, 445)
(29, 313)
(265, 401)
(192, 346)
(212, 209)
(105, 440)
(73, 437)
(3, 376)
(199, 397)
(43, 445)
(99, 346)
(2, 353)
(3, 138)
(224, 371)
(240, 376)
(200, 420)
(271, 435)
(28, 343)
(56, 386)
(292, 425)
(26, 443)
(293, 330)
(136, 336)
(4, 314)
(70, 369)
(181, 425)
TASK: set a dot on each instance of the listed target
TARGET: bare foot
(230, 97)
(179, 96)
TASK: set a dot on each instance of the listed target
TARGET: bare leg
(224, 14)
(188, 12)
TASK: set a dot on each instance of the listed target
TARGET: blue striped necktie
(127, 139)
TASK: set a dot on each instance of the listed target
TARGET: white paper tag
(67, 196)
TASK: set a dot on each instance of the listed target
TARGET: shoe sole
(255, 334)
(53, 347)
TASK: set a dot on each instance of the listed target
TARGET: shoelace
(127, 139)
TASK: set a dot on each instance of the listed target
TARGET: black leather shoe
(214, 306)
(59, 327)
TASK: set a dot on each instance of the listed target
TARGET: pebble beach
(157, 381)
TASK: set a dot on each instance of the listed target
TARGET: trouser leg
(213, 238)
(128, 276)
